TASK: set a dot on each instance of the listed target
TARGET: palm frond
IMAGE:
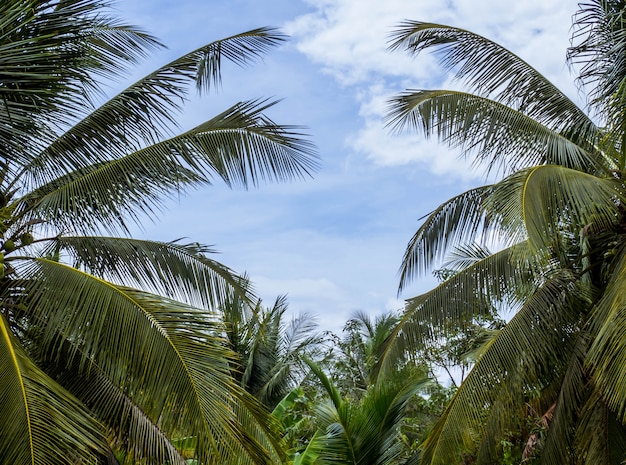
(129, 428)
(493, 71)
(35, 409)
(572, 392)
(52, 52)
(598, 42)
(456, 221)
(551, 199)
(145, 113)
(241, 146)
(608, 320)
(606, 448)
(163, 354)
(496, 135)
(531, 347)
(183, 272)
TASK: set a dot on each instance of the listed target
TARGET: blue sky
(334, 243)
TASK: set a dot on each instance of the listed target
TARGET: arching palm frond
(164, 355)
(548, 200)
(492, 71)
(460, 219)
(35, 409)
(45, 74)
(180, 271)
(518, 362)
(146, 112)
(241, 146)
(496, 135)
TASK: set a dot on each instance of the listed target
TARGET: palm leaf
(597, 45)
(241, 146)
(493, 71)
(503, 138)
(162, 353)
(45, 74)
(530, 347)
(608, 320)
(544, 197)
(146, 112)
(129, 428)
(458, 220)
(35, 409)
(180, 271)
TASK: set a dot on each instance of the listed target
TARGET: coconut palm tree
(364, 431)
(270, 351)
(108, 345)
(355, 355)
(557, 215)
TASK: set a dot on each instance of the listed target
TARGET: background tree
(270, 352)
(107, 344)
(557, 214)
(362, 431)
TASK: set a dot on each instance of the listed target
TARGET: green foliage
(110, 346)
(270, 352)
(557, 216)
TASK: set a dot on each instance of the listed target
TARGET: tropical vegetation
(271, 353)
(550, 386)
(111, 350)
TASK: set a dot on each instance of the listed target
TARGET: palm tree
(270, 352)
(364, 431)
(107, 344)
(557, 214)
(356, 355)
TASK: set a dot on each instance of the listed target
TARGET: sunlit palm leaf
(162, 353)
(550, 199)
(530, 347)
(35, 411)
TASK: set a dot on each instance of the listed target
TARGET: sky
(334, 243)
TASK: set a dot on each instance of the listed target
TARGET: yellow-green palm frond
(550, 200)
(521, 360)
(41, 423)
(164, 355)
